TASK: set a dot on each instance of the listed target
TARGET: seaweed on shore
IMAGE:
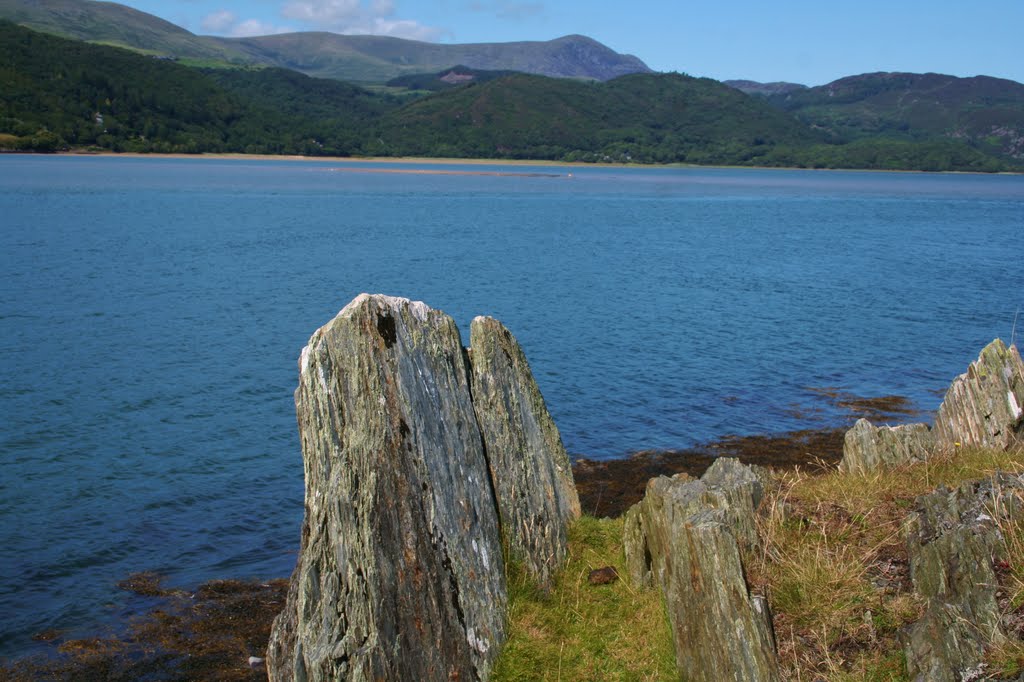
(218, 633)
(610, 487)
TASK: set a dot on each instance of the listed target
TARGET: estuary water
(153, 310)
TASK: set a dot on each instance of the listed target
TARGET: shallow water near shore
(153, 311)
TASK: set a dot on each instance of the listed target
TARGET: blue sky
(793, 40)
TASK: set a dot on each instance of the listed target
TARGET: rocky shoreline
(434, 475)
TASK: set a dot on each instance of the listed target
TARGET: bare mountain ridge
(358, 58)
(765, 89)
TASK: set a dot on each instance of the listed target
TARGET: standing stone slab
(400, 569)
(867, 447)
(530, 469)
(690, 539)
(984, 407)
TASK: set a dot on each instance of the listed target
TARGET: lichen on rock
(984, 407)
(953, 537)
(530, 469)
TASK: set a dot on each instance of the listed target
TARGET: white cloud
(255, 27)
(375, 17)
(226, 22)
(219, 22)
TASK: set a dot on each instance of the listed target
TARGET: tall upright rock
(401, 573)
(530, 469)
(690, 538)
(985, 406)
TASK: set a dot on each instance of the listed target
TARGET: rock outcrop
(867, 447)
(953, 537)
(982, 408)
(401, 570)
(530, 470)
(690, 538)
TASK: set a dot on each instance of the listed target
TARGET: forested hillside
(647, 118)
(58, 93)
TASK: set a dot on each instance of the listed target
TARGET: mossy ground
(579, 631)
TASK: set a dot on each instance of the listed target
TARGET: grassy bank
(833, 564)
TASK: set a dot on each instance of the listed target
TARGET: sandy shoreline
(405, 160)
(412, 160)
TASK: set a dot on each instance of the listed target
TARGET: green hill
(377, 59)
(986, 113)
(109, 23)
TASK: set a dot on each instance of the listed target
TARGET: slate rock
(867, 447)
(530, 469)
(690, 539)
(984, 407)
(405, 440)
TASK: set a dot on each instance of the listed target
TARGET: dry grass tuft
(835, 568)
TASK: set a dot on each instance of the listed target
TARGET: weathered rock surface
(690, 538)
(982, 408)
(952, 539)
(530, 470)
(985, 406)
(400, 574)
(867, 447)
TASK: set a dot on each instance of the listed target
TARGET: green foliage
(641, 118)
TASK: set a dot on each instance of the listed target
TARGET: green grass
(580, 631)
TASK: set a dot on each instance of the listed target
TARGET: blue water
(152, 312)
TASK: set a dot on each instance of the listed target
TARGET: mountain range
(354, 58)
